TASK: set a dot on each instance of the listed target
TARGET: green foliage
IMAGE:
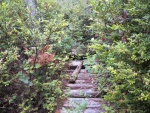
(26, 86)
(117, 32)
(122, 56)
(30, 72)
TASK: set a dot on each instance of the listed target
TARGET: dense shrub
(122, 53)
(29, 66)
(34, 49)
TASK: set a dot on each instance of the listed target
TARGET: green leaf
(146, 17)
(37, 66)
(23, 78)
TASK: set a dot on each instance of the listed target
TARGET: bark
(74, 75)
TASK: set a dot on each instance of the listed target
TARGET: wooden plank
(80, 86)
(75, 63)
(89, 110)
(90, 102)
(81, 93)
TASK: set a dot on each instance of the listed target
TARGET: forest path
(83, 96)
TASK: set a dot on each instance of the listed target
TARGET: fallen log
(74, 75)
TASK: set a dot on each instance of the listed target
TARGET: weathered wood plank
(80, 86)
(81, 93)
(90, 102)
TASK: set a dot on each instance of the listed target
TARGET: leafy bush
(122, 56)
(34, 49)
(29, 66)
